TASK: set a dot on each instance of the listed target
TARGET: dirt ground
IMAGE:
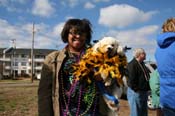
(21, 100)
(18, 98)
(124, 109)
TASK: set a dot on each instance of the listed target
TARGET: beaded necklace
(89, 96)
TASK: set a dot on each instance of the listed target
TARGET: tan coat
(48, 95)
(48, 91)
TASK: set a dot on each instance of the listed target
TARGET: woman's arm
(45, 107)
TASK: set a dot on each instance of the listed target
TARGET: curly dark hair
(82, 26)
(169, 25)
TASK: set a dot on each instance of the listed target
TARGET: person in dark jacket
(165, 54)
(138, 84)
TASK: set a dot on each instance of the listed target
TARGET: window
(39, 56)
(23, 63)
(23, 56)
(16, 64)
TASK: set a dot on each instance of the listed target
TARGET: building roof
(28, 51)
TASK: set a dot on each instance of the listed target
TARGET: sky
(134, 23)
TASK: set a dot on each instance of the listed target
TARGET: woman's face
(76, 40)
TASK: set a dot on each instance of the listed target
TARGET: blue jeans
(168, 111)
(137, 102)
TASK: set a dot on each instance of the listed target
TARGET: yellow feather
(102, 64)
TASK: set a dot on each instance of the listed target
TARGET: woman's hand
(112, 105)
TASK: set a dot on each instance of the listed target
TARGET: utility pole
(33, 34)
(13, 59)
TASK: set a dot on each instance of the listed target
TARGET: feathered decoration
(98, 63)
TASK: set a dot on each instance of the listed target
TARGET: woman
(59, 94)
(166, 66)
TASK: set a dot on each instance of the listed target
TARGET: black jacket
(136, 76)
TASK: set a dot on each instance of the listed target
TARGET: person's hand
(114, 107)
